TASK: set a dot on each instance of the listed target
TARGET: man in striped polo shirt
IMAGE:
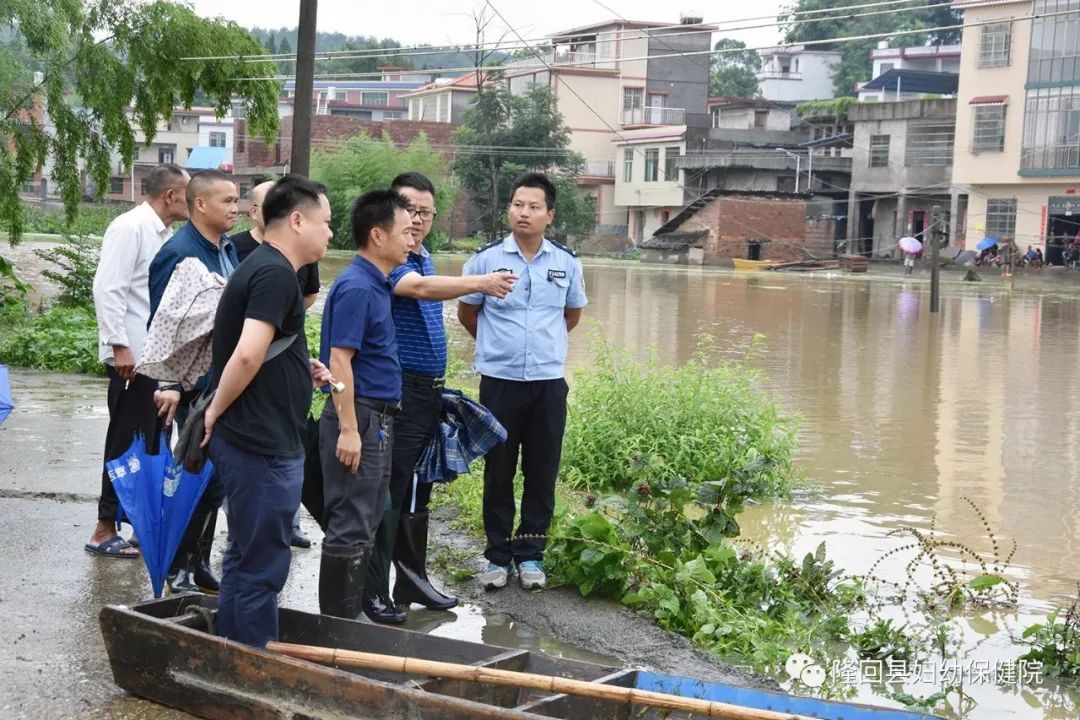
(421, 338)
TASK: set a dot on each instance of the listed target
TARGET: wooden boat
(744, 264)
(161, 650)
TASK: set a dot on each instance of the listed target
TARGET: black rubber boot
(381, 609)
(342, 572)
(202, 572)
(410, 562)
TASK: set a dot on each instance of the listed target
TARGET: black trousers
(414, 426)
(534, 415)
(131, 412)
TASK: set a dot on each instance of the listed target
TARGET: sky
(441, 22)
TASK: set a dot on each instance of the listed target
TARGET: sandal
(114, 548)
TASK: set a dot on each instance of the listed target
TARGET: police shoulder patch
(564, 248)
(490, 245)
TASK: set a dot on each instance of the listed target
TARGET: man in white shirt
(122, 305)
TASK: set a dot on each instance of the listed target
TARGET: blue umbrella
(987, 242)
(5, 394)
(467, 431)
(158, 497)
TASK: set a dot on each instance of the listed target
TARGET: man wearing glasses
(421, 338)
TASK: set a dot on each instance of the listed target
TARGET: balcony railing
(778, 75)
(600, 169)
(570, 57)
(654, 116)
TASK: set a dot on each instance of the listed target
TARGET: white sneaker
(494, 577)
(531, 575)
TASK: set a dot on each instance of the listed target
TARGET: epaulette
(564, 248)
(490, 245)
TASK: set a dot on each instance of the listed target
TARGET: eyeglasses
(425, 215)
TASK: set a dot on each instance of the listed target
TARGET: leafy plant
(62, 339)
(75, 260)
(1056, 642)
(13, 289)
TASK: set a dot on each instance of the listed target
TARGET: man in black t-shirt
(245, 242)
(308, 278)
(255, 421)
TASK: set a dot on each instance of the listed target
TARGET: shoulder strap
(564, 248)
(278, 346)
(490, 245)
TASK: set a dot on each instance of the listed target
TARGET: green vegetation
(109, 65)
(836, 108)
(733, 71)
(506, 134)
(92, 220)
(75, 262)
(363, 163)
(63, 339)
(1056, 642)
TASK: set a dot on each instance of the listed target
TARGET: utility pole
(935, 266)
(300, 161)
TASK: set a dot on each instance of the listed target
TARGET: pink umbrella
(910, 245)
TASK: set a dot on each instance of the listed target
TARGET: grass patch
(63, 339)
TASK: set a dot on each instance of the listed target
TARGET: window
(761, 119)
(1051, 130)
(886, 67)
(116, 186)
(143, 187)
(1001, 218)
(217, 139)
(29, 187)
(628, 165)
(879, 151)
(341, 95)
(988, 128)
(1055, 42)
(995, 44)
(239, 143)
(671, 154)
(652, 164)
(392, 116)
(245, 190)
(375, 98)
(930, 143)
(631, 98)
(166, 155)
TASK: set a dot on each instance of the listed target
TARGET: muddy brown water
(903, 415)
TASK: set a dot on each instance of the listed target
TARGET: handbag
(189, 452)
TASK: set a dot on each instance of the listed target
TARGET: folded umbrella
(467, 431)
(158, 497)
(6, 405)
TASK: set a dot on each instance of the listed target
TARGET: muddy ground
(53, 660)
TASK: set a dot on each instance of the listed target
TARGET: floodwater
(904, 417)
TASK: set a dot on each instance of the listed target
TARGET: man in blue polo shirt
(521, 345)
(421, 337)
(356, 430)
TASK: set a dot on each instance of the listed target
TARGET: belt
(383, 407)
(423, 381)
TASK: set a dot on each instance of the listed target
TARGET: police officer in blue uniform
(521, 344)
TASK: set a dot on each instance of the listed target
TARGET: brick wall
(821, 237)
(778, 223)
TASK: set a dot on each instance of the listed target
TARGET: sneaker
(531, 575)
(494, 577)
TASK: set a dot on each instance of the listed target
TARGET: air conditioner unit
(691, 18)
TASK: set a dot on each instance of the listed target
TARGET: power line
(842, 13)
(698, 53)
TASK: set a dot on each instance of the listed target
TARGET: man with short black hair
(521, 345)
(356, 431)
(307, 276)
(258, 415)
(212, 209)
(122, 307)
(418, 321)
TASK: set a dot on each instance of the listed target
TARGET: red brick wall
(733, 221)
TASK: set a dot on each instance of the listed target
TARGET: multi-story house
(174, 142)
(366, 100)
(795, 73)
(901, 168)
(444, 100)
(615, 83)
(1018, 121)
